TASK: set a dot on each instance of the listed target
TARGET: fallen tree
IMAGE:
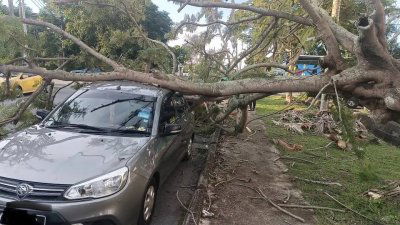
(375, 79)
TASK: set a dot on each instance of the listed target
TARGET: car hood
(54, 156)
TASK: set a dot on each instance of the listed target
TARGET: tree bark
(242, 120)
(11, 7)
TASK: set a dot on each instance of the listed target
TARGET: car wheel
(148, 203)
(189, 147)
(18, 91)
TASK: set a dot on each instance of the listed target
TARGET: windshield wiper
(80, 126)
(92, 130)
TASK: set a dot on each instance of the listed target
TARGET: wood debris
(287, 146)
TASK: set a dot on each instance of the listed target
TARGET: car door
(167, 144)
(183, 118)
(29, 82)
(32, 82)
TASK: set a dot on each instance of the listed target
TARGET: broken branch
(319, 182)
(350, 209)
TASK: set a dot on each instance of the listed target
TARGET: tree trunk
(11, 7)
(8, 86)
(242, 120)
(289, 97)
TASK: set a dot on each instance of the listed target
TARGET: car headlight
(99, 187)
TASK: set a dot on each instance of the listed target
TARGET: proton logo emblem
(23, 190)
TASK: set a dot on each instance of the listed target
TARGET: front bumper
(121, 208)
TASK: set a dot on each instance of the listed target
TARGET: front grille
(41, 191)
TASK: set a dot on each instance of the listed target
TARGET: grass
(380, 164)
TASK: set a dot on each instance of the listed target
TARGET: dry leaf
(374, 195)
(342, 144)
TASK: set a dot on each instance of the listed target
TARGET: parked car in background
(99, 158)
(25, 83)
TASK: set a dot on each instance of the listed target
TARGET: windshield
(105, 111)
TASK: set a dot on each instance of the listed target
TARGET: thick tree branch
(223, 88)
(74, 39)
(334, 58)
(183, 5)
(370, 50)
(235, 103)
(344, 37)
(261, 11)
(379, 21)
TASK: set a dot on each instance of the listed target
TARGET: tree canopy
(106, 29)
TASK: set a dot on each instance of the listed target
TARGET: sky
(172, 9)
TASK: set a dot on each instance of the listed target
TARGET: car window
(173, 110)
(180, 106)
(167, 115)
(106, 109)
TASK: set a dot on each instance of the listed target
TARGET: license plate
(19, 217)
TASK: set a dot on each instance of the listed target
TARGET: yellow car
(26, 83)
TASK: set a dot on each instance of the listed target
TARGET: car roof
(130, 87)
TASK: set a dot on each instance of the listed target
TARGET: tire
(189, 150)
(18, 91)
(148, 203)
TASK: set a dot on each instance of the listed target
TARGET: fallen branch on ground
(305, 206)
(272, 203)
(287, 146)
(311, 207)
(319, 182)
(186, 208)
(352, 210)
(278, 207)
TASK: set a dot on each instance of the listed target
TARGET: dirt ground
(250, 160)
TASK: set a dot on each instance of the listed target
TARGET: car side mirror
(171, 129)
(42, 113)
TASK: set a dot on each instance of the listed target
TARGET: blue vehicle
(308, 65)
